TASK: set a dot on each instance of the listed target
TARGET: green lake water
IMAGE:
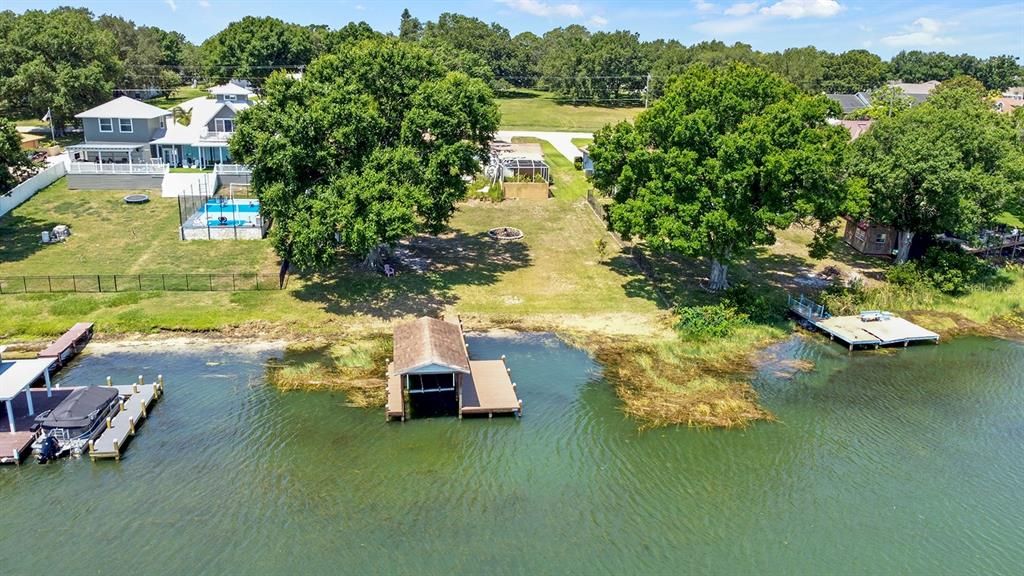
(909, 462)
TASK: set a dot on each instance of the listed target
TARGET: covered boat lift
(16, 377)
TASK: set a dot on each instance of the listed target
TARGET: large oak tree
(951, 164)
(728, 156)
(369, 147)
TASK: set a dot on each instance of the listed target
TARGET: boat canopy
(79, 409)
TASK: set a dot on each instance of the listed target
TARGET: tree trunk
(377, 256)
(906, 238)
(719, 275)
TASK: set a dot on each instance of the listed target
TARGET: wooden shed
(869, 237)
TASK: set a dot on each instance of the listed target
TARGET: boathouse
(432, 374)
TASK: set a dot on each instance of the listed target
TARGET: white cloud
(598, 21)
(204, 3)
(742, 8)
(538, 8)
(803, 9)
(359, 7)
(172, 5)
(924, 32)
(703, 6)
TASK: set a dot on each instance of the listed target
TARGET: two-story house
(202, 140)
(116, 153)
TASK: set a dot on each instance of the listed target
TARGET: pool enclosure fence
(194, 214)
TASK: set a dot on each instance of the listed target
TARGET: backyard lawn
(534, 110)
(177, 96)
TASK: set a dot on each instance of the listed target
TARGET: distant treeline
(67, 59)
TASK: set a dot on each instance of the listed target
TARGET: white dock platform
(883, 329)
(121, 427)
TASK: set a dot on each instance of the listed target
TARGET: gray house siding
(115, 181)
(142, 130)
(223, 113)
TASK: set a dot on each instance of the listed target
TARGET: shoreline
(660, 379)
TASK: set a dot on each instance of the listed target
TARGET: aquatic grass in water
(355, 366)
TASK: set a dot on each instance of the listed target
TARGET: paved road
(562, 141)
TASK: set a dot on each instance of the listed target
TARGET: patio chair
(389, 271)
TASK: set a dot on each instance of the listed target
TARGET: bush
(760, 306)
(577, 162)
(715, 321)
(844, 299)
(949, 270)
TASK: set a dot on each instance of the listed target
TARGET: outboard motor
(49, 450)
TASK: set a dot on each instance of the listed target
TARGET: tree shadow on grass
(430, 269)
(20, 236)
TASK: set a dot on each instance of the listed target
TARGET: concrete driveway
(562, 141)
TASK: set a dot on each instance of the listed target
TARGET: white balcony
(233, 169)
(212, 136)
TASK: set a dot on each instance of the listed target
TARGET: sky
(979, 27)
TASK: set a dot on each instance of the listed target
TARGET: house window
(859, 235)
(163, 122)
(124, 125)
(106, 124)
(880, 238)
(229, 97)
(224, 125)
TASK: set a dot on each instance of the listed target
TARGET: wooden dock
(488, 389)
(69, 345)
(122, 427)
(874, 328)
(14, 446)
(396, 396)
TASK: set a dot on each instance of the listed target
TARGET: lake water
(909, 462)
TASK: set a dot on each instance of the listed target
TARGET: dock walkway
(122, 426)
(69, 345)
(869, 329)
(488, 389)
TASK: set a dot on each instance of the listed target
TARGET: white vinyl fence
(28, 188)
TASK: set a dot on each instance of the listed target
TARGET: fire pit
(505, 233)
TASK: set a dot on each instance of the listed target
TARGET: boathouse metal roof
(429, 346)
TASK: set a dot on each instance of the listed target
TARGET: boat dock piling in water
(122, 426)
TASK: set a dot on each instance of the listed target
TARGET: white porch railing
(240, 169)
(211, 135)
(96, 168)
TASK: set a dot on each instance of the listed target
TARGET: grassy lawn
(111, 237)
(177, 96)
(533, 110)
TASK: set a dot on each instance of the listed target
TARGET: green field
(177, 96)
(534, 110)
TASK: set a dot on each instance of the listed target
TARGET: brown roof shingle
(427, 341)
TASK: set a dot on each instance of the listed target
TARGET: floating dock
(69, 345)
(872, 328)
(122, 426)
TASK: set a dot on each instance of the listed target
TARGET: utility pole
(647, 89)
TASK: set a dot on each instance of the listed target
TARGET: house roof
(1008, 104)
(124, 107)
(429, 342)
(857, 128)
(230, 89)
(916, 88)
(203, 110)
(851, 102)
